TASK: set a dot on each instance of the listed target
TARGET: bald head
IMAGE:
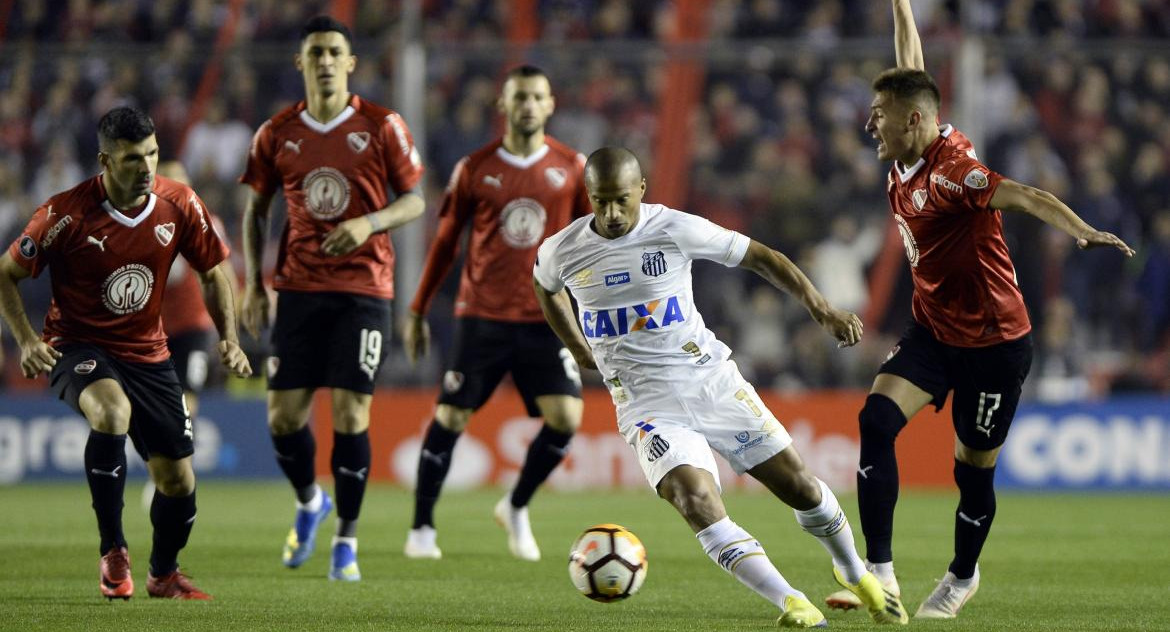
(615, 184)
(610, 165)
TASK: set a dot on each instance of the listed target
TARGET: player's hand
(845, 326)
(416, 337)
(254, 309)
(1098, 238)
(347, 236)
(234, 358)
(37, 357)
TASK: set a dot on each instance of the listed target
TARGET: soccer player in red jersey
(513, 192)
(970, 329)
(348, 169)
(110, 243)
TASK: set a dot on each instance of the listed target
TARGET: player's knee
(111, 416)
(880, 419)
(351, 421)
(175, 482)
(452, 418)
(282, 422)
(564, 423)
(561, 412)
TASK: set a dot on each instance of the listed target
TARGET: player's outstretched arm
(221, 305)
(907, 43)
(255, 309)
(779, 270)
(558, 311)
(1013, 196)
(36, 355)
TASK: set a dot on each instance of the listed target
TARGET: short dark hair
(527, 70)
(908, 84)
(124, 123)
(608, 163)
(325, 24)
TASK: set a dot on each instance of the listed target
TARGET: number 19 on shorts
(370, 352)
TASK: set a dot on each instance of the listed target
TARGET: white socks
(734, 549)
(314, 505)
(828, 523)
(884, 571)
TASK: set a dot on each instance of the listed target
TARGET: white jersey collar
(121, 218)
(525, 161)
(325, 128)
(904, 173)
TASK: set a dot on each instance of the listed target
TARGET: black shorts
(191, 353)
(328, 339)
(485, 350)
(987, 381)
(159, 423)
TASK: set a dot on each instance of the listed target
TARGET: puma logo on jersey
(864, 471)
(294, 146)
(100, 243)
(496, 181)
(623, 320)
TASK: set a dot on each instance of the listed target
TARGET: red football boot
(116, 582)
(174, 585)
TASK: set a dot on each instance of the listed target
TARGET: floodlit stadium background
(747, 112)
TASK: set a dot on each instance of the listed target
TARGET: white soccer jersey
(637, 308)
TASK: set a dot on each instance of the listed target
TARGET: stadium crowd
(1076, 94)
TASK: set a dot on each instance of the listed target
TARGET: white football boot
(515, 521)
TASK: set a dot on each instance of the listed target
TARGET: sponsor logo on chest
(623, 320)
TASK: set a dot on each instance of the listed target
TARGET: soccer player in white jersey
(677, 393)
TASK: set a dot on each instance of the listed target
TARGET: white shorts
(673, 423)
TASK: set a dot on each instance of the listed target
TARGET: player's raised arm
(221, 305)
(907, 44)
(1013, 196)
(558, 311)
(255, 309)
(779, 270)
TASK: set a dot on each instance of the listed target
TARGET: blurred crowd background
(748, 112)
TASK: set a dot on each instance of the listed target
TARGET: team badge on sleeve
(976, 179)
(28, 247)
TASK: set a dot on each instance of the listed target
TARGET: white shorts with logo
(670, 423)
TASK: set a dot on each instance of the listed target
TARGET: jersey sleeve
(546, 269)
(966, 184)
(453, 213)
(32, 249)
(202, 245)
(404, 166)
(700, 238)
(260, 171)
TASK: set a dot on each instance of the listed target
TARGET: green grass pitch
(1054, 562)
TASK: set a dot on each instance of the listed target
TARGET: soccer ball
(607, 563)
